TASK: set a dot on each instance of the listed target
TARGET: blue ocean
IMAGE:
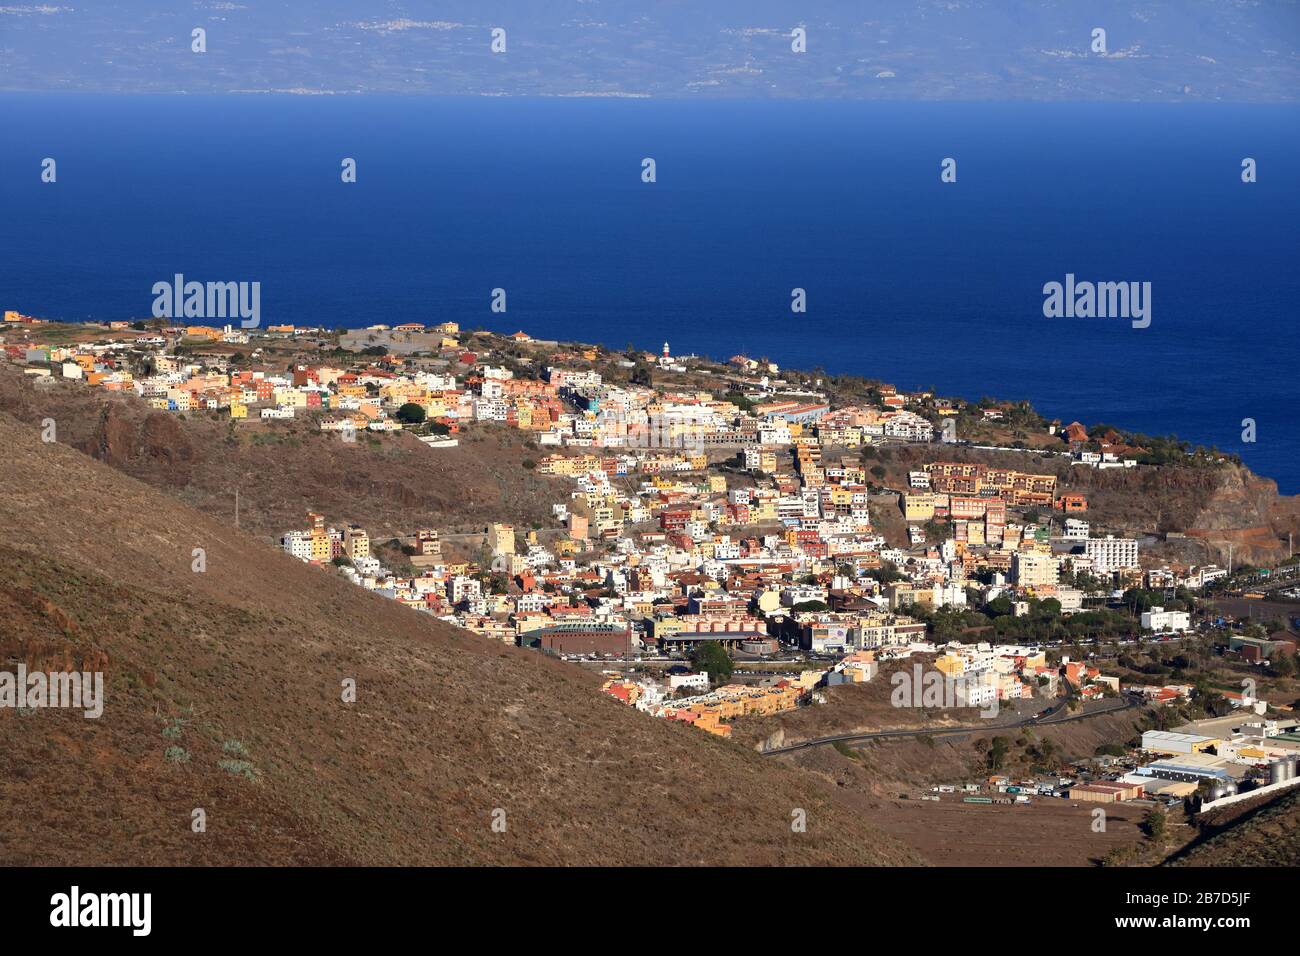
(908, 279)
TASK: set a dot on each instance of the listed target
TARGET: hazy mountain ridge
(906, 49)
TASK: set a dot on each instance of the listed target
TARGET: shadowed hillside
(224, 693)
(1261, 836)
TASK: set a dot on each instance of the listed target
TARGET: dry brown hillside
(239, 669)
(1256, 834)
(391, 485)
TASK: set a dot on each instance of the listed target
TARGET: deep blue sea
(908, 279)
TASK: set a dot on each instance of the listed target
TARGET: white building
(908, 426)
(1200, 577)
(1163, 622)
(298, 544)
(1111, 553)
(1167, 742)
(698, 681)
(950, 595)
(1076, 530)
(491, 409)
(463, 588)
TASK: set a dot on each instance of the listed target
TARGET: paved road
(1265, 585)
(1049, 717)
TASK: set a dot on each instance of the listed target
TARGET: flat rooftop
(1197, 761)
(1169, 737)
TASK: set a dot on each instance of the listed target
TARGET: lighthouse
(665, 358)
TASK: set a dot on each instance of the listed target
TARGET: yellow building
(321, 548)
(356, 543)
(905, 595)
(950, 665)
(1032, 569)
(501, 539)
(561, 465)
(919, 507)
(603, 512)
(291, 397)
(662, 627)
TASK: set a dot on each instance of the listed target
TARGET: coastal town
(732, 546)
(735, 438)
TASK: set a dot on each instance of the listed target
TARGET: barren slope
(244, 662)
(391, 485)
(1263, 835)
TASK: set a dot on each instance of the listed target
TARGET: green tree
(998, 752)
(1155, 823)
(740, 401)
(887, 573)
(810, 606)
(712, 657)
(1000, 606)
(411, 414)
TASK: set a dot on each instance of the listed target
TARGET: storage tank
(1217, 790)
(1277, 771)
(1290, 767)
(1229, 789)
